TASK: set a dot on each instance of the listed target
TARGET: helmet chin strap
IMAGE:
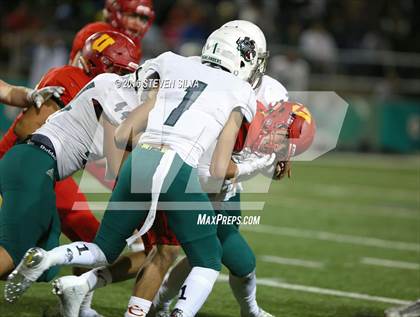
(212, 65)
(256, 77)
(83, 65)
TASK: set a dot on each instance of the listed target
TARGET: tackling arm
(114, 156)
(221, 159)
(15, 95)
(24, 97)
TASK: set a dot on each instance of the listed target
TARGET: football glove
(254, 163)
(39, 96)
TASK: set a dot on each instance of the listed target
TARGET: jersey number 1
(190, 97)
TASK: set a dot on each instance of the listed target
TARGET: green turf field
(341, 238)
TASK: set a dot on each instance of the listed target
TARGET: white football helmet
(254, 32)
(234, 50)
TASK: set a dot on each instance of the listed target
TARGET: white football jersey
(271, 91)
(193, 104)
(75, 130)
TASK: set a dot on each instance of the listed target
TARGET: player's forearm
(232, 170)
(128, 131)
(15, 95)
(221, 160)
(115, 157)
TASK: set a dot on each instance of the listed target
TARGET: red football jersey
(73, 79)
(9, 138)
(88, 30)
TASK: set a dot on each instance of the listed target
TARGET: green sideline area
(340, 238)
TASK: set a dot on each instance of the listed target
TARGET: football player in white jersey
(179, 124)
(269, 92)
(242, 278)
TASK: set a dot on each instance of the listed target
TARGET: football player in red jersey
(131, 17)
(103, 52)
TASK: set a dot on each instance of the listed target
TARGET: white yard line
(390, 263)
(333, 237)
(351, 208)
(322, 291)
(360, 188)
(292, 262)
(368, 161)
(360, 191)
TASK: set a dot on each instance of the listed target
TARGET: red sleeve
(240, 139)
(73, 79)
(250, 131)
(84, 33)
(9, 138)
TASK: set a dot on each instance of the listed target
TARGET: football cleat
(410, 310)
(263, 313)
(33, 264)
(177, 313)
(71, 290)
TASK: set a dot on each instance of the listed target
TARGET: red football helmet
(110, 52)
(287, 129)
(132, 17)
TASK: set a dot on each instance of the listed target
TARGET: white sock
(77, 253)
(195, 290)
(98, 278)
(245, 291)
(171, 285)
(137, 307)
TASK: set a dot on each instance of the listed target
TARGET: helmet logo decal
(102, 43)
(301, 111)
(246, 47)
